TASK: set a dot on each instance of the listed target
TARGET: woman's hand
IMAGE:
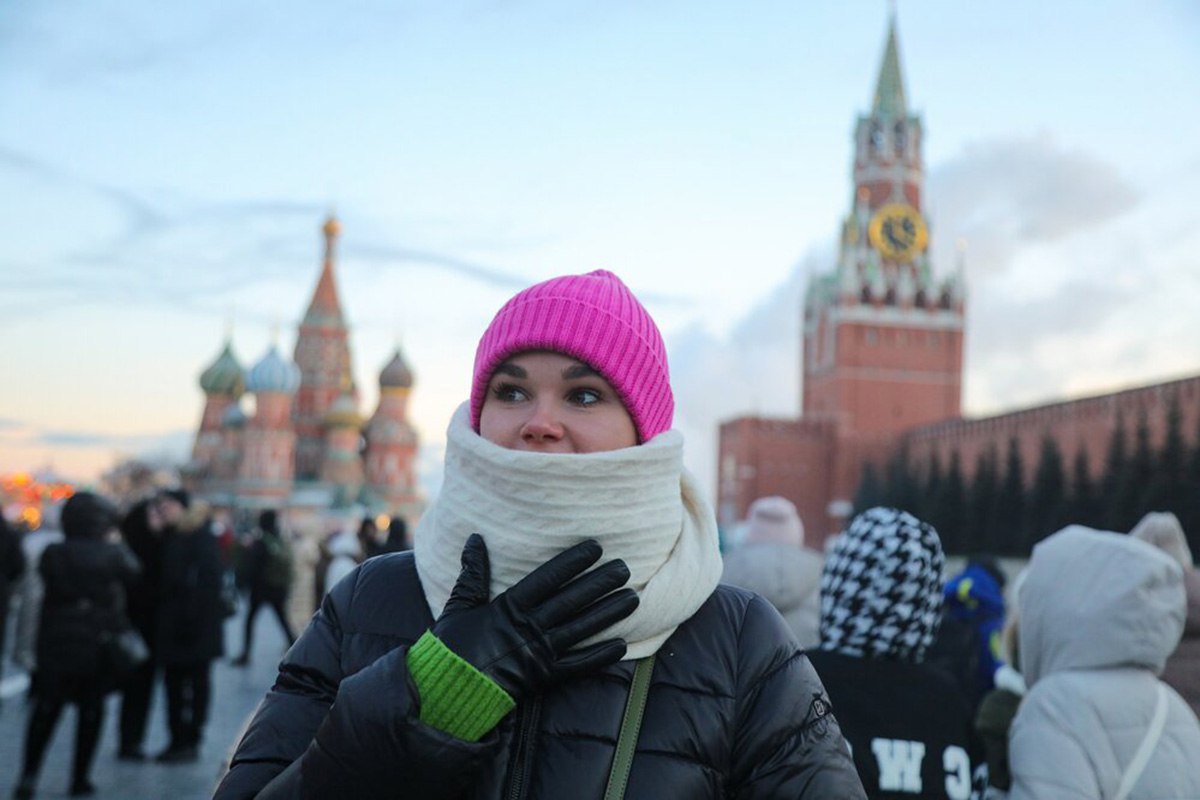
(523, 639)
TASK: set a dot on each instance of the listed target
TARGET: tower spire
(889, 89)
(325, 309)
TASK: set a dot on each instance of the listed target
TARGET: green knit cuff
(456, 698)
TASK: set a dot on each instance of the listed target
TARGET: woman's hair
(593, 318)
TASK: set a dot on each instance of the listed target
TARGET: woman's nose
(543, 425)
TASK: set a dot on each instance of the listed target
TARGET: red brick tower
(392, 443)
(323, 356)
(882, 349)
(882, 342)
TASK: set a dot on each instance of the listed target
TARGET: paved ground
(236, 693)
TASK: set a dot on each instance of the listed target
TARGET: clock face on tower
(898, 232)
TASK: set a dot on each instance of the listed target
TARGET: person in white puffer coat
(1100, 612)
(773, 561)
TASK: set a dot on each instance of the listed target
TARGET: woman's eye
(584, 397)
(508, 393)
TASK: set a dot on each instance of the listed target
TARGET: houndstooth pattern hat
(881, 591)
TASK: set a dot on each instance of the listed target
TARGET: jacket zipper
(522, 760)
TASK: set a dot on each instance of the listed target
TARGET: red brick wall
(1086, 423)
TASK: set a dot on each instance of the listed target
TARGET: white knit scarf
(639, 503)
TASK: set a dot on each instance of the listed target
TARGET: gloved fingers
(589, 659)
(592, 620)
(581, 593)
(473, 587)
(545, 581)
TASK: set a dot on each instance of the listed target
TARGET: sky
(166, 168)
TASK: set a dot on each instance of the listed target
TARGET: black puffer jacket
(84, 602)
(734, 710)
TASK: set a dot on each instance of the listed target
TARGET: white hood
(1095, 599)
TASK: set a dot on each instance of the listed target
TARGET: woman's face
(550, 403)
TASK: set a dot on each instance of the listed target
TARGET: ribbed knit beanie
(773, 520)
(596, 319)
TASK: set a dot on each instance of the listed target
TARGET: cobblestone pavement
(236, 693)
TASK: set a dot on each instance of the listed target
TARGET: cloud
(1001, 195)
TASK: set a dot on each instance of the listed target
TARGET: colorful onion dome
(225, 375)
(396, 375)
(273, 374)
(343, 413)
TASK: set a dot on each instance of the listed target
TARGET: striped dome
(273, 374)
(224, 376)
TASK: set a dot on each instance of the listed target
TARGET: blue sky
(166, 170)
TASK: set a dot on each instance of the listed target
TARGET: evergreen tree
(903, 490)
(1048, 496)
(1083, 508)
(982, 503)
(952, 509)
(870, 491)
(1010, 505)
(1191, 517)
(1116, 469)
(1167, 490)
(929, 507)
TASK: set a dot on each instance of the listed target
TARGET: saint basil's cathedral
(304, 445)
(882, 359)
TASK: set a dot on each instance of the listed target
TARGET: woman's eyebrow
(580, 370)
(512, 370)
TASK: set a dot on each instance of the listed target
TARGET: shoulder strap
(1146, 749)
(631, 724)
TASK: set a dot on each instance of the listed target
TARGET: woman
(508, 676)
(83, 606)
(1100, 612)
(910, 725)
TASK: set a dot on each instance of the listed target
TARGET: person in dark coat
(190, 621)
(270, 572)
(12, 567)
(911, 726)
(493, 661)
(83, 605)
(142, 529)
(397, 536)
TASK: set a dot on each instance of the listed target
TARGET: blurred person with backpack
(270, 572)
(142, 529)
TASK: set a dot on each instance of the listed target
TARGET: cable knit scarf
(639, 503)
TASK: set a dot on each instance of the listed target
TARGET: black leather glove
(522, 640)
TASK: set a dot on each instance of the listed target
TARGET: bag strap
(1146, 749)
(631, 724)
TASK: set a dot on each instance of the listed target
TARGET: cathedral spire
(889, 89)
(325, 309)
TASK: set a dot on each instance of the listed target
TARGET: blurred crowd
(105, 601)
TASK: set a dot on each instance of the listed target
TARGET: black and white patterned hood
(881, 591)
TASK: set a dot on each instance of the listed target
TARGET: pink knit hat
(773, 520)
(596, 319)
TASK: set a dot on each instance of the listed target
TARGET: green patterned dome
(224, 376)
